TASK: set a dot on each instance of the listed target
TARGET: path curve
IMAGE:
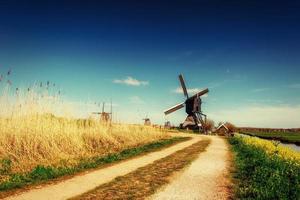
(83, 183)
(205, 178)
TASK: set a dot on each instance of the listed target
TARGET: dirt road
(80, 184)
(205, 178)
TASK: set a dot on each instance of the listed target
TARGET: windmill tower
(105, 116)
(195, 118)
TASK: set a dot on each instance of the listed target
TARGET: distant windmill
(105, 116)
(167, 124)
(147, 121)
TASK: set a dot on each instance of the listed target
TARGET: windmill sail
(199, 94)
(183, 86)
(174, 108)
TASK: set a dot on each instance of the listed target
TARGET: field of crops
(265, 170)
(288, 137)
(31, 135)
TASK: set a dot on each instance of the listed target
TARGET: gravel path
(205, 178)
(144, 181)
(83, 183)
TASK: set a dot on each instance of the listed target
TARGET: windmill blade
(199, 94)
(183, 86)
(174, 108)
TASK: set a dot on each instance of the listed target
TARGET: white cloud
(191, 91)
(280, 116)
(136, 100)
(92, 104)
(82, 109)
(234, 78)
(217, 84)
(130, 81)
(260, 89)
(265, 101)
(295, 86)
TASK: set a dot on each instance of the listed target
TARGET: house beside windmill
(223, 130)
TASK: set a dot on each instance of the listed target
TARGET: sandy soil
(205, 178)
(80, 184)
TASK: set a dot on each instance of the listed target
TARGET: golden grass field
(31, 135)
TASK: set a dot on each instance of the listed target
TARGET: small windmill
(105, 116)
(167, 124)
(147, 121)
(192, 108)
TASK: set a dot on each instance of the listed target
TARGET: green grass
(263, 176)
(288, 137)
(43, 173)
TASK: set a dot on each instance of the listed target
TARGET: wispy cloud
(182, 55)
(234, 78)
(260, 89)
(191, 91)
(261, 116)
(91, 104)
(188, 53)
(265, 101)
(294, 86)
(136, 100)
(131, 81)
(217, 84)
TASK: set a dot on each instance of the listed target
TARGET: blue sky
(246, 53)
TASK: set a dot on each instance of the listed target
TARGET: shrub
(209, 124)
(230, 127)
(5, 166)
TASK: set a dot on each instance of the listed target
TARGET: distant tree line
(267, 130)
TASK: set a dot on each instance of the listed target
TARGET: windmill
(105, 116)
(167, 124)
(192, 105)
(147, 121)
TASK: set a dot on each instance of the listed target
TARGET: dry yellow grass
(30, 136)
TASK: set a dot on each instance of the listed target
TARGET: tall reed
(36, 128)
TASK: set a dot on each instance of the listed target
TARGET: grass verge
(43, 173)
(265, 171)
(146, 180)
